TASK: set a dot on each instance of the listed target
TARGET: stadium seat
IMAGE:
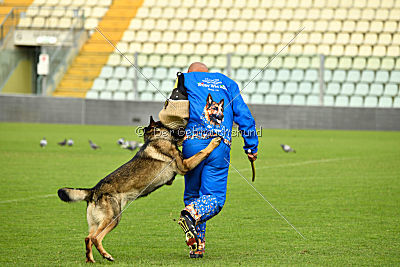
(395, 76)
(385, 102)
(353, 76)
(339, 76)
(362, 89)
(269, 75)
(313, 100)
(106, 95)
(381, 76)
(119, 72)
(146, 96)
(311, 75)
(347, 89)
(242, 74)
(391, 89)
(305, 88)
(249, 87)
(112, 85)
(126, 85)
(371, 102)
(396, 102)
(367, 76)
(376, 89)
(106, 72)
(276, 88)
(257, 99)
(329, 100)
(262, 87)
(167, 86)
(290, 88)
(297, 75)
(119, 95)
(333, 88)
(356, 101)
(271, 99)
(99, 84)
(91, 94)
(285, 100)
(299, 100)
(342, 101)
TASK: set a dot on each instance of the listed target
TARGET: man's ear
(209, 99)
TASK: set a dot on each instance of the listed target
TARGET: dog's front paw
(215, 142)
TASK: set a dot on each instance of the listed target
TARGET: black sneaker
(196, 255)
(187, 224)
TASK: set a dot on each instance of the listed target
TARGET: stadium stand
(360, 41)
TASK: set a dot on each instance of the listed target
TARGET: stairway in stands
(94, 54)
(7, 5)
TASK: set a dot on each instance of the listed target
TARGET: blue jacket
(215, 103)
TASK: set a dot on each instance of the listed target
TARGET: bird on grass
(93, 145)
(121, 141)
(131, 145)
(62, 143)
(43, 142)
(287, 148)
(70, 142)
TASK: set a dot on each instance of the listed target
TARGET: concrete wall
(15, 108)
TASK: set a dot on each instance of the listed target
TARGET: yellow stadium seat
(304, 3)
(273, 14)
(332, 3)
(315, 38)
(261, 38)
(354, 14)
(260, 14)
(359, 63)
(147, 48)
(173, 47)
(280, 26)
(387, 63)
(387, 3)
(329, 38)
(187, 49)
(188, 3)
(148, 24)
(340, 14)
(161, 48)
(269, 49)
(321, 26)
(370, 39)
(348, 26)
(181, 61)
(393, 51)
(142, 13)
(25, 22)
(331, 62)
(248, 37)
(335, 26)
(220, 61)
(201, 49)
(313, 14)
(214, 4)
(32, 11)
(396, 39)
(240, 25)
(394, 14)
(38, 22)
(44, 12)
(255, 49)
(368, 14)
(114, 60)
(295, 49)
(128, 36)
(294, 25)
(385, 39)
(351, 50)
(188, 25)
(381, 14)
(310, 49)
(136, 24)
(379, 50)
(300, 14)
(221, 37)
(345, 63)
(356, 39)
(275, 38)
(365, 50)
(373, 3)
(336, 50)
(376, 26)
(234, 37)
(242, 48)
(267, 26)
(326, 13)
(134, 47)
(234, 14)
(247, 14)
(201, 25)
(194, 37)
(167, 60)
(214, 25)
(287, 14)
(373, 63)
(228, 48)
(390, 26)
(362, 26)
(253, 26)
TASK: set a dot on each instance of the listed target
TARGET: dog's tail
(74, 194)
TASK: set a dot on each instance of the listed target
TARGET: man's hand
(252, 156)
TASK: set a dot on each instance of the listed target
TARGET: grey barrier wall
(18, 108)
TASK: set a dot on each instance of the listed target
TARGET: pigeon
(93, 145)
(287, 148)
(130, 145)
(62, 143)
(121, 141)
(43, 142)
(70, 142)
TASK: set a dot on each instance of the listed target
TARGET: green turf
(341, 190)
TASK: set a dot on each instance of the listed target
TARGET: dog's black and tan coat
(154, 165)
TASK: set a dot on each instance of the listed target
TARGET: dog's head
(213, 111)
(156, 129)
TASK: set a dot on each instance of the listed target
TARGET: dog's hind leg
(111, 219)
(89, 245)
(93, 225)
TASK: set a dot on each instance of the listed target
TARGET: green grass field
(341, 190)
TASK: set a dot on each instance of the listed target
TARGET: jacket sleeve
(242, 117)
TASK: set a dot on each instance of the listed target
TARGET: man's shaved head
(197, 66)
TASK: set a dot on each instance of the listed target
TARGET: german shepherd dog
(213, 111)
(154, 165)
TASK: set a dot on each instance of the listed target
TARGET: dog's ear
(221, 103)
(209, 99)
(152, 122)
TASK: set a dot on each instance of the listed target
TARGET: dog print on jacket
(213, 111)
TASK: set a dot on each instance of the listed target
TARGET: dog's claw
(90, 261)
(108, 257)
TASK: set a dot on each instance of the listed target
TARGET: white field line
(28, 198)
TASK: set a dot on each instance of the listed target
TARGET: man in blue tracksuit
(215, 103)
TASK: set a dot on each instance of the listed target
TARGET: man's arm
(247, 126)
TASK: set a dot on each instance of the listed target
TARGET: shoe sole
(191, 239)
